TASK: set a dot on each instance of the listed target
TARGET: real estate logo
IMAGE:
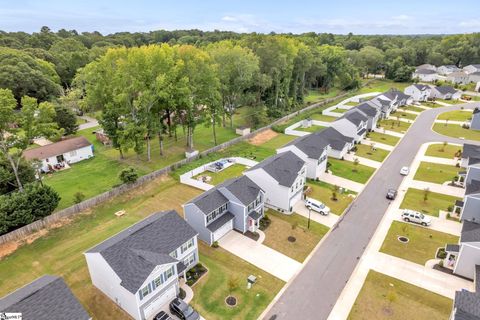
(10, 316)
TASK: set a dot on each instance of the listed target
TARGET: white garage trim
(297, 197)
(156, 304)
(222, 230)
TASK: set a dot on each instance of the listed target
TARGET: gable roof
(473, 187)
(336, 140)
(446, 89)
(425, 66)
(313, 145)
(425, 71)
(283, 167)
(243, 188)
(474, 65)
(209, 200)
(355, 117)
(449, 66)
(457, 74)
(421, 87)
(470, 231)
(135, 252)
(46, 298)
(467, 305)
(367, 109)
(470, 150)
(57, 148)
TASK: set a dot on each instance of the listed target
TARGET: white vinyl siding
(157, 282)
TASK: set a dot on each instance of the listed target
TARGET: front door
(60, 158)
(252, 225)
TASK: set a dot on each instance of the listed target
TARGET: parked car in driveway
(405, 171)
(162, 315)
(391, 194)
(317, 206)
(183, 310)
(416, 217)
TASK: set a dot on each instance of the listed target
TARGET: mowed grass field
(383, 138)
(322, 191)
(456, 131)
(348, 170)
(435, 172)
(414, 200)
(440, 151)
(383, 297)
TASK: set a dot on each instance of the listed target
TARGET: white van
(317, 206)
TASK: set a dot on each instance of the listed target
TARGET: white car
(317, 206)
(405, 171)
(416, 217)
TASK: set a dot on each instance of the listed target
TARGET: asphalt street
(315, 290)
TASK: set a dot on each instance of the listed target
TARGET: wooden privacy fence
(24, 231)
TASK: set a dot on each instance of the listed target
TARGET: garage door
(155, 306)
(297, 197)
(223, 230)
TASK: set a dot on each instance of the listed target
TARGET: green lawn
(347, 170)
(404, 115)
(382, 85)
(279, 141)
(394, 125)
(384, 297)
(340, 110)
(431, 104)
(412, 108)
(422, 245)
(414, 200)
(321, 117)
(450, 101)
(313, 128)
(283, 226)
(435, 172)
(440, 151)
(383, 138)
(233, 171)
(351, 103)
(457, 115)
(211, 290)
(366, 151)
(315, 95)
(456, 131)
(322, 191)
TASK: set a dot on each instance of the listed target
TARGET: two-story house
(371, 112)
(139, 268)
(313, 149)
(425, 75)
(447, 69)
(471, 68)
(445, 92)
(459, 77)
(339, 143)
(419, 92)
(282, 177)
(237, 203)
(470, 155)
(466, 303)
(46, 298)
(463, 257)
(475, 122)
(352, 124)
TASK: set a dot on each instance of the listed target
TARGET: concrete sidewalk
(391, 133)
(364, 161)
(328, 220)
(438, 224)
(450, 122)
(438, 188)
(378, 145)
(261, 256)
(341, 182)
(438, 160)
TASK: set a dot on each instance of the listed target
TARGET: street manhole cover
(231, 301)
(403, 239)
(291, 239)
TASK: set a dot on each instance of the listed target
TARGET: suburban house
(471, 68)
(46, 298)
(470, 155)
(447, 69)
(419, 92)
(425, 75)
(465, 256)
(371, 112)
(458, 77)
(426, 66)
(57, 155)
(474, 77)
(475, 122)
(312, 149)
(139, 268)
(383, 105)
(282, 177)
(446, 93)
(465, 303)
(339, 143)
(237, 203)
(352, 124)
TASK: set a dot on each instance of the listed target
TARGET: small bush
(215, 244)
(450, 208)
(128, 175)
(78, 197)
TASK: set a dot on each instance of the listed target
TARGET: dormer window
(214, 214)
(187, 245)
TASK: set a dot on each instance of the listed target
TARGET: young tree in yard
(232, 284)
(444, 145)
(237, 68)
(356, 162)
(8, 182)
(426, 193)
(128, 175)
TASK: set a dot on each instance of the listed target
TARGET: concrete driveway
(261, 256)
(328, 220)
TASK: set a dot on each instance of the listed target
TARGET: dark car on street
(183, 310)
(391, 194)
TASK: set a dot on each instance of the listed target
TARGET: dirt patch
(7, 248)
(263, 137)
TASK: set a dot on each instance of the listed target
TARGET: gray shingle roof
(283, 167)
(452, 248)
(136, 251)
(470, 150)
(475, 65)
(476, 73)
(313, 145)
(470, 231)
(446, 89)
(473, 160)
(421, 87)
(477, 278)
(473, 187)
(425, 71)
(46, 298)
(367, 109)
(209, 200)
(220, 222)
(254, 215)
(468, 303)
(463, 315)
(355, 117)
(243, 188)
(336, 140)
(57, 148)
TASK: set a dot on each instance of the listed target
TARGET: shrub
(215, 244)
(450, 208)
(78, 197)
(128, 175)
(441, 254)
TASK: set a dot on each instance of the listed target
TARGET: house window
(214, 214)
(187, 245)
(169, 273)
(158, 281)
(144, 292)
(189, 260)
(73, 153)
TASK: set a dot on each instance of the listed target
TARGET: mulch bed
(231, 301)
(252, 235)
